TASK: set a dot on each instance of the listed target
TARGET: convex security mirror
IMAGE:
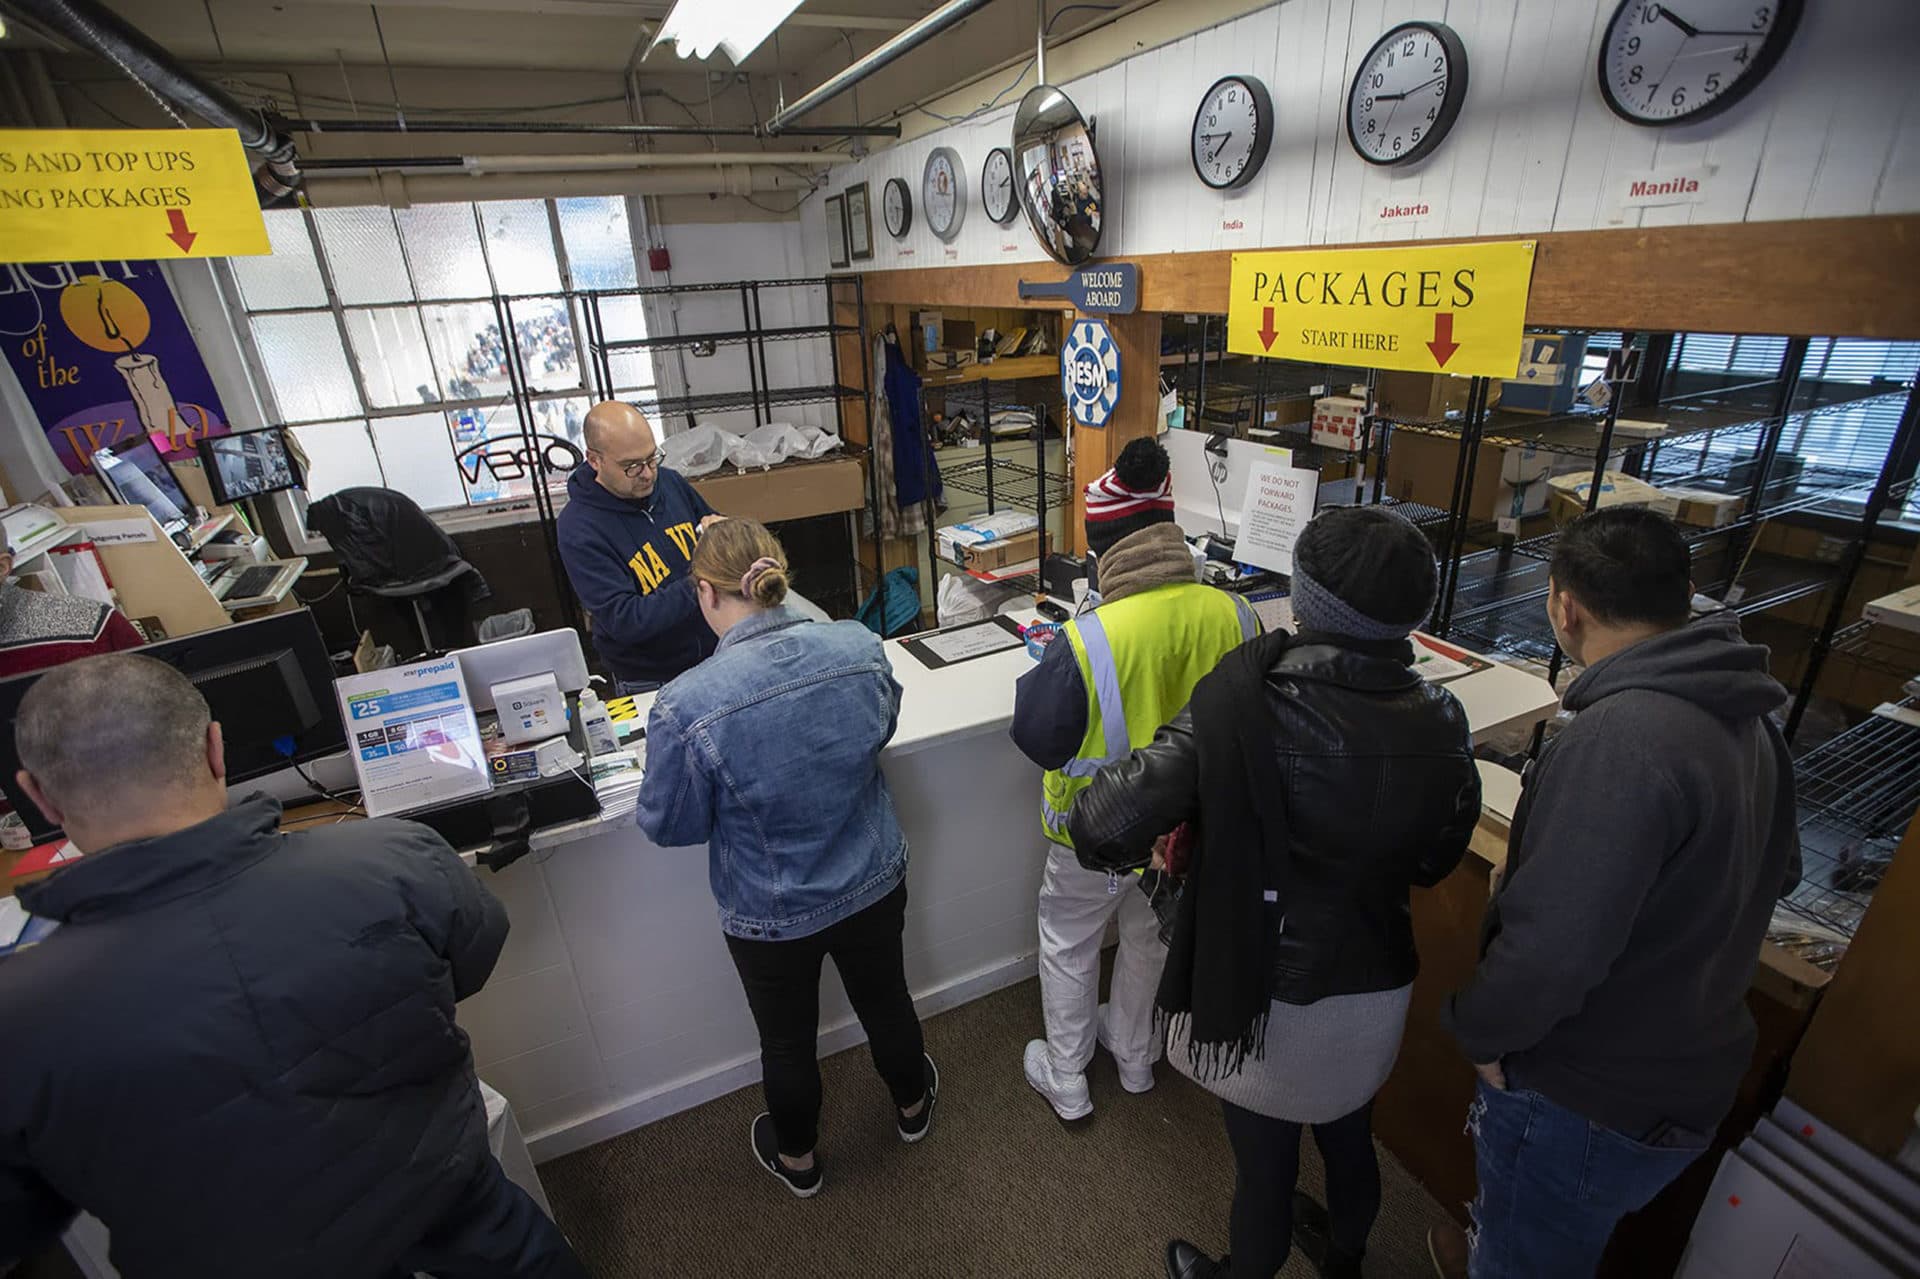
(1059, 175)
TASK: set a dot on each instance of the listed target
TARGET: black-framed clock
(1664, 64)
(1407, 94)
(996, 185)
(896, 206)
(1232, 131)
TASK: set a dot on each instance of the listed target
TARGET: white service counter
(616, 1003)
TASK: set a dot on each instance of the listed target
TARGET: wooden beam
(1819, 277)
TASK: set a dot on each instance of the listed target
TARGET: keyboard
(253, 581)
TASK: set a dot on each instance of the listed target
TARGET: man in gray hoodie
(1607, 1018)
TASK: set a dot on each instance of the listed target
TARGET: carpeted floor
(1000, 1187)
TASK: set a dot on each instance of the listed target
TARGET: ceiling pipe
(94, 27)
(648, 160)
(401, 190)
(912, 38)
(311, 124)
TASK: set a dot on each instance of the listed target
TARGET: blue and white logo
(1090, 373)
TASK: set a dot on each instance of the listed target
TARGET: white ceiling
(588, 35)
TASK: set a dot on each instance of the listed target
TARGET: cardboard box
(1567, 495)
(991, 543)
(1421, 397)
(1514, 503)
(790, 491)
(1549, 374)
(1336, 422)
(1900, 609)
(945, 360)
(940, 333)
(1704, 508)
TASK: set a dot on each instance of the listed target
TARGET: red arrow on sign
(1267, 332)
(177, 219)
(1443, 346)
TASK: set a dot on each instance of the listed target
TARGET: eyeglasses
(651, 462)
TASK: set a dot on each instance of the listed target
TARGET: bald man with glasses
(627, 537)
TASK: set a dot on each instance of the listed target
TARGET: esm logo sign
(1090, 373)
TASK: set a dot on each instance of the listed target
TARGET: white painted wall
(1834, 130)
(705, 253)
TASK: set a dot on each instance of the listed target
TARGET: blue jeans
(1553, 1185)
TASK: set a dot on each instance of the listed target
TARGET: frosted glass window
(520, 246)
(443, 250)
(392, 351)
(547, 350)
(363, 252)
(598, 242)
(288, 276)
(467, 351)
(306, 366)
(339, 455)
(417, 455)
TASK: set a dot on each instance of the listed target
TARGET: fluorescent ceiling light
(736, 27)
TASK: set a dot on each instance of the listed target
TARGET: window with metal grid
(377, 336)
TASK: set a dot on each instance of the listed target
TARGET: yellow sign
(1451, 308)
(82, 195)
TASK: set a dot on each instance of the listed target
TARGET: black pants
(782, 980)
(1266, 1157)
(493, 1231)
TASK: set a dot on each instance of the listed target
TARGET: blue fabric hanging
(913, 462)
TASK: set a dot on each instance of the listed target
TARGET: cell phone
(1052, 611)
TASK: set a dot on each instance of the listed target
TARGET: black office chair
(390, 549)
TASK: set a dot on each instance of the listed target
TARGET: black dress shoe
(1184, 1261)
(1313, 1236)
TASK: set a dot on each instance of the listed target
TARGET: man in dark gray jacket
(238, 1049)
(1607, 1018)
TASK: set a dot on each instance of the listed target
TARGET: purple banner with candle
(105, 357)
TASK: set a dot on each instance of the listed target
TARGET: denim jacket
(769, 751)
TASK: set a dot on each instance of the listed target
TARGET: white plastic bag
(782, 441)
(696, 451)
(967, 599)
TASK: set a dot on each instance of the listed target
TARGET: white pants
(1075, 905)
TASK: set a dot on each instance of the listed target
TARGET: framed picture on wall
(836, 232)
(859, 223)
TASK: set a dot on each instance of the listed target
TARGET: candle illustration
(109, 316)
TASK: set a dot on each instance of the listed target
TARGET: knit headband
(1318, 609)
(748, 578)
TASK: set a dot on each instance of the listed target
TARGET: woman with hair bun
(769, 753)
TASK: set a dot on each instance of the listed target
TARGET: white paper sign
(121, 532)
(1660, 187)
(972, 641)
(1278, 503)
(413, 736)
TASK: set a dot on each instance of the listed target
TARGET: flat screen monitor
(269, 683)
(137, 475)
(248, 464)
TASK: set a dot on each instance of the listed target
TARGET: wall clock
(1231, 132)
(1408, 93)
(996, 185)
(1674, 64)
(943, 192)
(896, 205)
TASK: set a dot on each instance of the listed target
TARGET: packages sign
(1445, 308)
(86, 194)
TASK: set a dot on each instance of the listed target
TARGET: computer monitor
(269, 683)
(137, 475)
(248, 464)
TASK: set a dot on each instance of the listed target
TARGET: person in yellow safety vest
(1107, 683)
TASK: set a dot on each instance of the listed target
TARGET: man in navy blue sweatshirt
(627, 537)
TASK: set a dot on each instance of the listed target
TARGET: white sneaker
(1067, 1094)
(1135, 1079)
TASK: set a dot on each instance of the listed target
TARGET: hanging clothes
(915, 469)
(880, 420)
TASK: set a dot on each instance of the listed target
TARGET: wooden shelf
(1005, 369)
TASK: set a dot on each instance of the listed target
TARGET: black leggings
(782, 980)
(1266, 1157)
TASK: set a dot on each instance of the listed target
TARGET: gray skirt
(1322, 1060)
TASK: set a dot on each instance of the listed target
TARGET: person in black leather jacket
(1321, 778)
